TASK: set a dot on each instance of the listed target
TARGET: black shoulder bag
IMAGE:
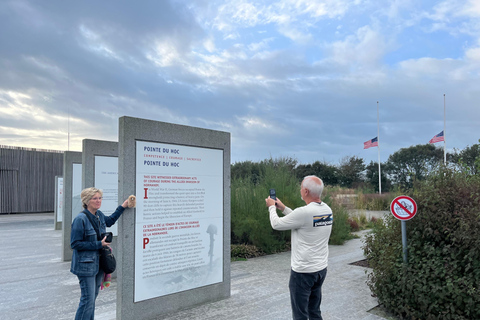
(107, 260)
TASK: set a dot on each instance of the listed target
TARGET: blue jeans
(306, 294)
(89, 287)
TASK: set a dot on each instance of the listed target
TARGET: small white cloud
(235, 13)
(231, 36)
(473, 8)
(262, 45)
(95, 43)
(318, 8)
(209, 44)
(296, 35)
(363, 49)
(88, 33)
(164, 54)
(19, 105)
(473, 54)
(253, 123)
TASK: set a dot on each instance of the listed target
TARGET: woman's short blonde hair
(87, 194)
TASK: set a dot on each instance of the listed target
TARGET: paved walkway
(35, 284)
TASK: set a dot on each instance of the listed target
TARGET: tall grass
(250, 217)
(374, 201)
(341, 227)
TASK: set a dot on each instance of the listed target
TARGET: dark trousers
(89, 287)
(306, 294)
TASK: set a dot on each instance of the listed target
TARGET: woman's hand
(125, 204)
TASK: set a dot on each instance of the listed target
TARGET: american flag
(439, 137)
(371, 143)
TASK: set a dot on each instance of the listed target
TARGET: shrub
(442, 278)
(363, 220)
(250, 219)
(353, 224)
(373, 221)
(245, 251)
(341, 231)
(359, 222)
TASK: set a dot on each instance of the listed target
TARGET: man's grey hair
(313, 184)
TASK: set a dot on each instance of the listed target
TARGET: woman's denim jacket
(83, 240)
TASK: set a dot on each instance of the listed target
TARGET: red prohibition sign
(403, 208)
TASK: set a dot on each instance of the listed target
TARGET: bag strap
(94, 225)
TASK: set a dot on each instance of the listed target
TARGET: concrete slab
(36, 284)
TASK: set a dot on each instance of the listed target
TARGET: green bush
(442, 278)
(353, 224)
(250, 218)
(244, 251)
(341, 230)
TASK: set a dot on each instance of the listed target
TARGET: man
(311, 226)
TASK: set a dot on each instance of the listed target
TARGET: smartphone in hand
(273, 194)
(109, 236)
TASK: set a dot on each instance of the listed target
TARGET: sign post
(403, 208)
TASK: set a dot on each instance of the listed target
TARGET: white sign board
(60, 199)
(76, 188)
(179, 219)
(106, 179)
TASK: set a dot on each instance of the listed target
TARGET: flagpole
(378, 140)
(444, 132)
(68, 129)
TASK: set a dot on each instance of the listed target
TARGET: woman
(83, 240)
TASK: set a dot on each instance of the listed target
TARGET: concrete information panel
(106, 179)
(100, 170)
(175, 245)
(72, 175)
(76, 188)
(58, 203)
(90, 151)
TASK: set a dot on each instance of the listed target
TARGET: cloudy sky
(288, 78)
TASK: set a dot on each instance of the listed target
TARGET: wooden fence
(27, 179)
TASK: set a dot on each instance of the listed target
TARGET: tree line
(402, 169)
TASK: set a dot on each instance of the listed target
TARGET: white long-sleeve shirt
(311, 226)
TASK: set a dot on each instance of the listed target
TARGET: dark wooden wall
(27, 179)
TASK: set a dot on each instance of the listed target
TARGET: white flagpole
(444, 132)
(378, 140)
(68, 137)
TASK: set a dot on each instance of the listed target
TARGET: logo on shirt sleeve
(323, 220)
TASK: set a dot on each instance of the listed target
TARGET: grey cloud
(91, 60)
